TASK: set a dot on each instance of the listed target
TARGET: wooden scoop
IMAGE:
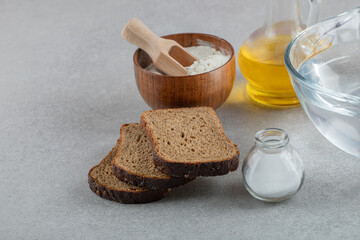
(167, 55)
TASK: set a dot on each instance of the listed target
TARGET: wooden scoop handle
(137, 33)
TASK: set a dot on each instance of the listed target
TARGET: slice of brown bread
(189, 142)
(133, 162)
(103, 182)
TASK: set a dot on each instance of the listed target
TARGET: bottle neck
(271, 139)
(283, 17)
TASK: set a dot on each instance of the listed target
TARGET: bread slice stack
(169, 148)
(134, 164)
(103, 182)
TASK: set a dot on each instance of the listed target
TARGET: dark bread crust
(126, 196)
(143, 181)
(150, 183)
(193, 169)
(123, 196)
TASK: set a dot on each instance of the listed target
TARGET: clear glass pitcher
(261, 57)
(323, 63)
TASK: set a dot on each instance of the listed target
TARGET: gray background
(66, 87)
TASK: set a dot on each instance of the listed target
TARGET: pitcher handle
(314, 12)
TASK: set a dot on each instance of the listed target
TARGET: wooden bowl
(206, 89)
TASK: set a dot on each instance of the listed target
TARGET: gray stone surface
(66, 87)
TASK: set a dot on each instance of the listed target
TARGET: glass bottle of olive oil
(261, 57)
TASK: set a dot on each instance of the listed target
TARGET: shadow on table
(216, 192)
(239, 106)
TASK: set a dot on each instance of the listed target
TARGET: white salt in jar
(273, 171)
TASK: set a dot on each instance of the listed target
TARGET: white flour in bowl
(209, 59)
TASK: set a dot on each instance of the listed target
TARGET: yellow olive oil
(261, 61)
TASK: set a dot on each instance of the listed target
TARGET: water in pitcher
(335, 69)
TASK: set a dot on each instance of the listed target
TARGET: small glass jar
(273, 171)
